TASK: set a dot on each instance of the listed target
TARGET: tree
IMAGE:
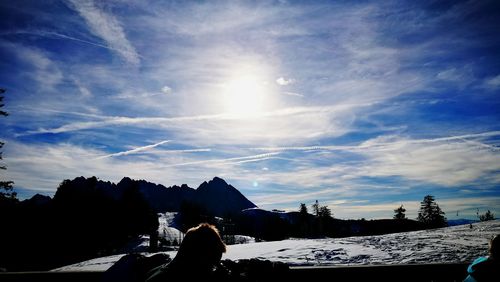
(487, 216)
(320, 211)
(400, 213)
(2, 113)
(325, 212)
(430, 213)
(315, 208)
(304, 221)
(6, 187)
(303, 209)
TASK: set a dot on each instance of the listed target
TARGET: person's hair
(495, 247)
(202, 241)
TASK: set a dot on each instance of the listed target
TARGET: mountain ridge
(216, 196)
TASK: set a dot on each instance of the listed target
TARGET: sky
(361, 105)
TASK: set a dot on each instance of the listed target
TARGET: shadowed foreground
(410, 272)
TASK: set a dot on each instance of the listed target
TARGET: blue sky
(362, 105)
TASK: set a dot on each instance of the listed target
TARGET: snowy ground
(167, 228)
(452, 244)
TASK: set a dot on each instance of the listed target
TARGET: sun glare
(245, 96)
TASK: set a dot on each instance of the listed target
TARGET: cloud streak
(447, 161)
(107, 27)
(281, 124)
(44, 70)
(387, 142)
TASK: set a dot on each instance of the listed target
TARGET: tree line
(6, 187)
(431, 214)
(80, 222)
(317, 221)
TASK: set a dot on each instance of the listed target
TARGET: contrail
(236, 160)
(135, 150)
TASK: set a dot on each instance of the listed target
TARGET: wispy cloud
(444, 164)
(294, 122)
(492, 83)
(283, 81)
(293, 94)
(389, 141)
(466, 208)
(382, 210)
(32, 170)
(44, 71)
(84, 91)
(460, 77)
(447, 161)
(66, 161)
(166, 89)
(107, 27)
(110, 121)
(290, 199)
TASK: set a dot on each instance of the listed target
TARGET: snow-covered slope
(167, 227)
(453, 244)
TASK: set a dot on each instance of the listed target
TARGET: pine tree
(321, 211)
(430, 213)
(2, 113)
(325, 211)
(400, 213)
(315, 208)
(487, 216)
(303, 209)
(303, 227)
(6, 187)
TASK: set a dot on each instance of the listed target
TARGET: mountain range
(216, 196)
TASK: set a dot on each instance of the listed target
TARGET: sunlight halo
(246, 95)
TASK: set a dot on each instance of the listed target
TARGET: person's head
(495, 247)
(202, 246)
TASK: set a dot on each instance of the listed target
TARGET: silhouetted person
(198, 258)
(486, 268)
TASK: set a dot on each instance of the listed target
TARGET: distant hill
(215, 196)
(461, 221)
(277, 225)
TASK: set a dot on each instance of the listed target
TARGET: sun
(245, 96)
